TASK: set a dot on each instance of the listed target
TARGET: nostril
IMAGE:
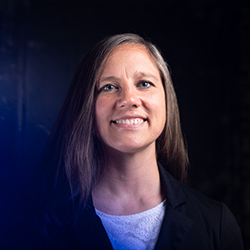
(135, 105)
(128, 104)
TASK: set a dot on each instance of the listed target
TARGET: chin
(132, 148)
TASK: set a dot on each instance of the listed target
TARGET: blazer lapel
(89, 231)
(176, 225)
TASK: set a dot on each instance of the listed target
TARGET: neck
(130, 183)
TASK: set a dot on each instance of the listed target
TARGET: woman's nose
(128, 98)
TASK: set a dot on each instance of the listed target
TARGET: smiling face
(130, 109)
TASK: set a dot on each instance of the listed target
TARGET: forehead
(130, 48)
(134, 53)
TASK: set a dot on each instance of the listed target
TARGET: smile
(129, 121)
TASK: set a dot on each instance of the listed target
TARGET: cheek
(161, 113)
(164, 109)
(102, 111)
(97, 111)
(160, 107)
(162, 116)
(100, 108)
(98, 115)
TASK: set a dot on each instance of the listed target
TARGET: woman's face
(130, 111)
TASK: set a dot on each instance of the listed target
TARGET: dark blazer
(191, 222)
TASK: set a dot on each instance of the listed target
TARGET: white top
(134, 232)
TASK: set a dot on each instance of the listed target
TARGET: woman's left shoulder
(201, 203)
(215, 217)
(212, 222)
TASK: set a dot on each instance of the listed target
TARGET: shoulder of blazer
(203, 219)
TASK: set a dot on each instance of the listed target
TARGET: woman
(115, 162)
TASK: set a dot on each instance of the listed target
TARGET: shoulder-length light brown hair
(73, 155)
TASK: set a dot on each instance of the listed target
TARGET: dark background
(206, 43)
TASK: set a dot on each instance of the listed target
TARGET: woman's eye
(145, 84)
(107, 88)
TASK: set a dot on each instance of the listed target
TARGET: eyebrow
(143, 74)
(137, 74)
(109, 78)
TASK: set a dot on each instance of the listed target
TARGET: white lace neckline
(136, 231)
(132, 215)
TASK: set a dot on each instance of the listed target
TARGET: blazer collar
(176, 224)
(171, 188)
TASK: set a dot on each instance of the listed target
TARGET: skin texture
(130, 115)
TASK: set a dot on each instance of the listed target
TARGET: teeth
(130, 121)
